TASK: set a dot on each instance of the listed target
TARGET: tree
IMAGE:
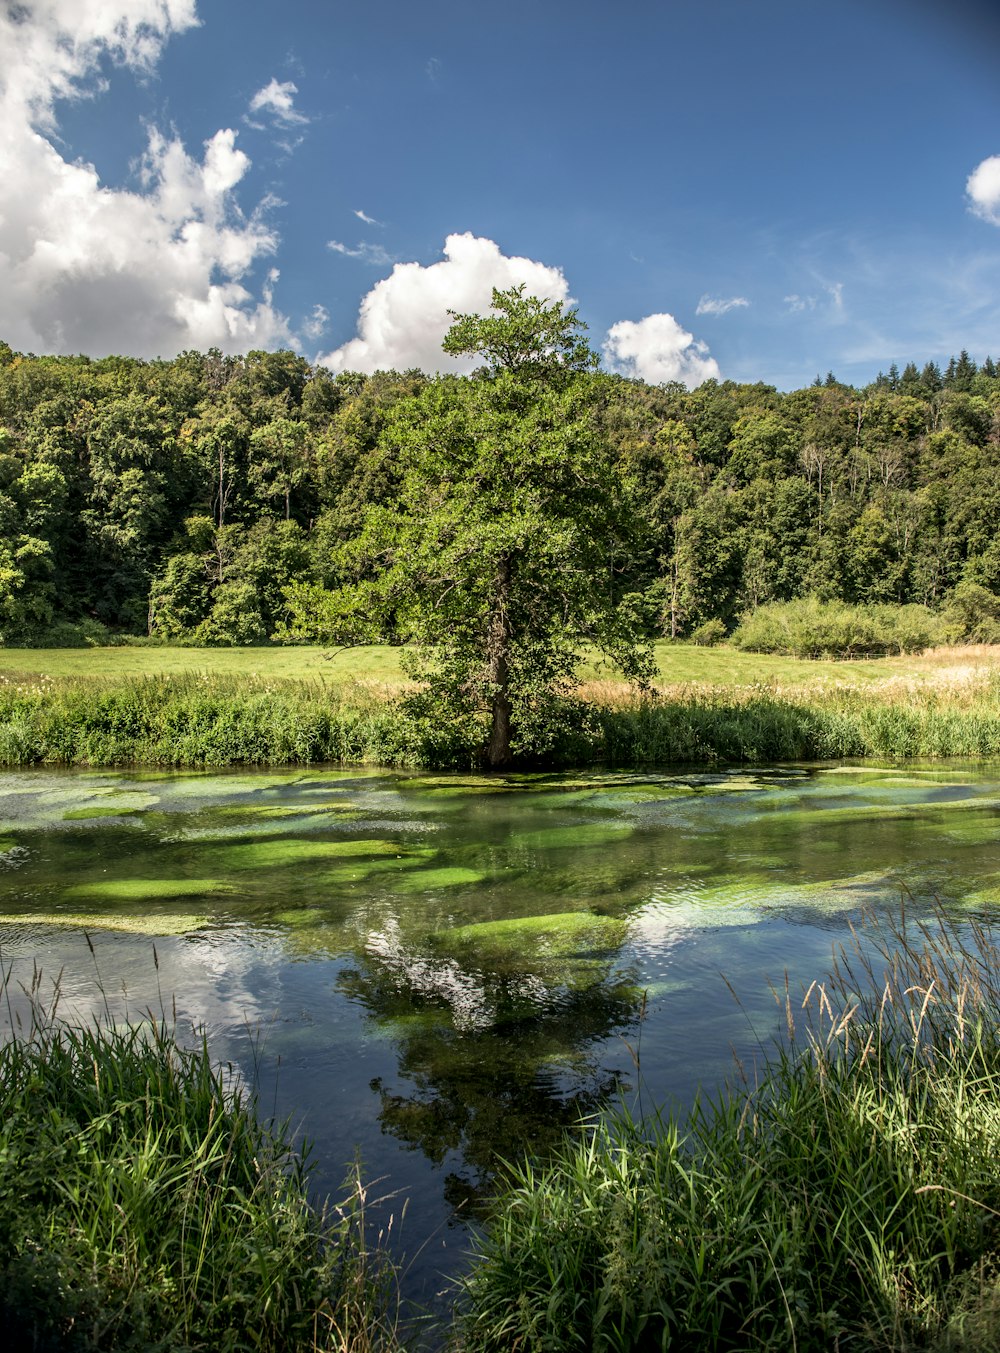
(506, 548)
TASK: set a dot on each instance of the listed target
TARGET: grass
(290, 663)
(718, 707)
(144, 1205)
(678, 664)
(848, 1200)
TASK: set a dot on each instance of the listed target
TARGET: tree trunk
(498, 669)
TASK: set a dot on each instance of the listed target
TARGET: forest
(215, 499)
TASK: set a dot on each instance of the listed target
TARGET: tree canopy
(511, 537)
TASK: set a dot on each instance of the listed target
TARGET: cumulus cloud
(86, 267)
(657, 349)
(983, 190)
(404, 317)
(368, 220)
(712, 305)
(51, 47)
(277, 101)
(368, 253)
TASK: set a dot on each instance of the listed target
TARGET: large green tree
(506, 549)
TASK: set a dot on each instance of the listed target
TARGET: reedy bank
(191, 721)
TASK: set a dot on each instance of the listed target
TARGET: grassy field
(679, 665)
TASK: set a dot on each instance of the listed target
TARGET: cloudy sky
(753, 189)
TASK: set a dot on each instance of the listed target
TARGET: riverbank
(145, 1204)
(942, 705)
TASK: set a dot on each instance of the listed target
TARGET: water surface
(436, 969)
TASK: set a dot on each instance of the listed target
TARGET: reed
(850, 1199)
(145, 1205)
(212, 720)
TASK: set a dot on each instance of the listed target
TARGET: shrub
(709, 634)
(973, 613)
(811, 628)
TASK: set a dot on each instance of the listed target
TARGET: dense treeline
(214, 499)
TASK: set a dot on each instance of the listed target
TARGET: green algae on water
(361, 869)
(145, 890)
(301, 916)
(83, 814)
(453, 876)
(164, 923)
(555, 934)
(560, 838)
(275, 853)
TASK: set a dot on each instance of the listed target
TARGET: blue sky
(757, 189)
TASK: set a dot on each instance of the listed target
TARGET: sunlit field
(679, 665)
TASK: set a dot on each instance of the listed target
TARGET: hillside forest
(212, 499)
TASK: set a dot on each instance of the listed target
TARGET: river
(433, 970)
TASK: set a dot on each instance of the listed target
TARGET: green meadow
(677, 663)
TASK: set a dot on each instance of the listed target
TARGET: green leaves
(523, 335)
(502, 553)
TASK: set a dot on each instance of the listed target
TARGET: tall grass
(848, 1200)
(198, 721)
(144, 1205)
(223, 720)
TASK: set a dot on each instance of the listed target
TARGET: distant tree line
(219, 500)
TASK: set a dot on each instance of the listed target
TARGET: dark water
(434, 970)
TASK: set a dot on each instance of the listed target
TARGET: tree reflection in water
(499, 1033)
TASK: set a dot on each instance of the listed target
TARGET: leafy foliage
(810, 628)
(144, 1205)
(141, 496)
(507, 542)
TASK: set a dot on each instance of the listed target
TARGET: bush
(709, 634)
(85, 633)
(811, 628)
(973, 614)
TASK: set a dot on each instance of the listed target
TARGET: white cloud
(798, 304)
(657, 349)
(404, 317)
(711, 305)
(368, 253)
(368, 220)
(84, 267)
(983, 190)
(277, 100)
(51, 46)
(316, 324)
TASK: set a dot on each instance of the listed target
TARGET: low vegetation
(830, 629)
(723, 706)
(850, 1199)
(846, 1196)
(144, 1205)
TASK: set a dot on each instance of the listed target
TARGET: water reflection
(500, 1050)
